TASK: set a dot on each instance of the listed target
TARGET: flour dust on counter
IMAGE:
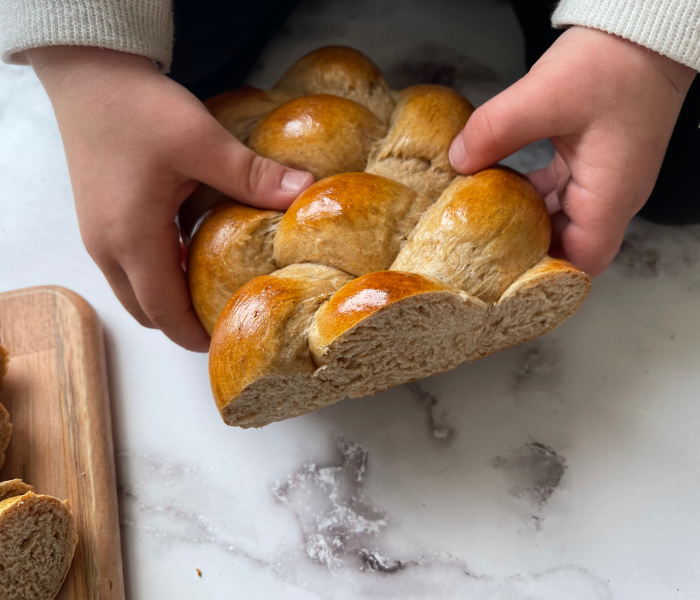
(337, 524)
(341, 531)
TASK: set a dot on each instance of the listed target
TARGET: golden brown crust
(323, 134)
(354, 221)
(202, 200)
(364, 296)
(261, 329)
(240, 110)
(483, 233)
(252, 319)
(340, 71)
(232, 246)
(548, 268)
(12, 488)
(416, 149)
(8, 502)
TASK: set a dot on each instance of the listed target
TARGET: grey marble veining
(561, 468)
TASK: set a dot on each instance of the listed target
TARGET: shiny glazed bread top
(390, 267)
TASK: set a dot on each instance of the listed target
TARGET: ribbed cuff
(669, 27)
(143, 27)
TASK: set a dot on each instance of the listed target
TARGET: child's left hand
(609, 107)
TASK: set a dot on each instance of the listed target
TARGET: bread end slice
(274, 398)
(37, 541)
(259, 360)
(537, 302)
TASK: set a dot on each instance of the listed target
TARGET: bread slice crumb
(37, 541)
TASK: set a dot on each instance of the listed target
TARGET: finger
(227, 165)
(551, 200)
(553, 177)
(118, 281)
(524, 113)
(587, 250)
(153, 267)
(545, 180)
(121, 286)
(597, 227)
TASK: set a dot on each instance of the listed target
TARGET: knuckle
(141, 319)
(482, 129)
(260, 172)
(162, 319)
(592, 250)
(97, 247)
(163, 314)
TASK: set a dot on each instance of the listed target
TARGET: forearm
(141, 27)
(669, 27)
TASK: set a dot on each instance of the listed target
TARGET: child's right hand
(136, 143)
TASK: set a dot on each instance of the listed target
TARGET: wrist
(678, 75)
(57, 65)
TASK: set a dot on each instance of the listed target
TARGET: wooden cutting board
(56, 394)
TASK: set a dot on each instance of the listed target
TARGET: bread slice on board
(12, 488)
(37, 541)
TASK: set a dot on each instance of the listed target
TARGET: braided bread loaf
(388, 269)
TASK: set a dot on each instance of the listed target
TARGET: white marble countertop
(562, 468)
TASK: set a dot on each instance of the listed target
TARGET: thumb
(227, 165)
(526, 112)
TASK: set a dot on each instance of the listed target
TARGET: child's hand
(609, 107)
(136, 144)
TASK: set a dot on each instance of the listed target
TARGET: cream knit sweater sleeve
(143, 27)
(670, 27)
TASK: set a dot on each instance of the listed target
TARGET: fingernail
(458, 154)
(292, 181)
